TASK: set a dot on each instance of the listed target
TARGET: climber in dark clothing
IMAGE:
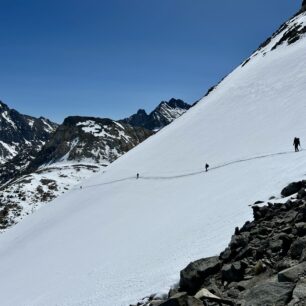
(137, 175)
(206, 167)
(297, 144)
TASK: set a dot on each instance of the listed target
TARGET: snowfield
(119, 239)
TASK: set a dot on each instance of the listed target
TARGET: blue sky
(107, 58)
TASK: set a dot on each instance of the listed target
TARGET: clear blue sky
(108, 58)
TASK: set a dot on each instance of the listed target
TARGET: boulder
(275, 245)
(292, 189)
(292, 274)
(301, 228)
(226, 255)
(193, 276)
(233, 272)
(182, 299)
(207, 296)
(269, 293)
(240, 241)
(297, 248)
(204, 293)
(299, 293)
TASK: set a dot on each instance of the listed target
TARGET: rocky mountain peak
(162, 115)
(178, 103)
(3, 106)
(20, 132)
(141, 112)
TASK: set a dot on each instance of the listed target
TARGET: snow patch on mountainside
(9, 120)
(28, 193)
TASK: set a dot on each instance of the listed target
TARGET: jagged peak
(74, 120)
(141, 112)
(174, 103)
(3, 105)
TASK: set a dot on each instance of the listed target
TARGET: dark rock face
(161, 116)
(304, 6)
(264, 263)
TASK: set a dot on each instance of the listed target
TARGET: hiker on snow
(137, 175)
(297, 144)
(206, 167)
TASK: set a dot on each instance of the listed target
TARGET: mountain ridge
(162, 115)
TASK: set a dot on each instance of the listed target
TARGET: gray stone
(292, 274)
(269, 293)
(297, 248)
(299, 292)
(291, 189)
(182, 299)
(275, 245)
(193, 276)
(233, 272)
(301, 228)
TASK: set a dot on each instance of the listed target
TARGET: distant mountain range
(39, 159)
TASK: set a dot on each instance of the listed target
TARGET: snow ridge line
(190, 173)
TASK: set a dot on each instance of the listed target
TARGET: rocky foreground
(264, 264)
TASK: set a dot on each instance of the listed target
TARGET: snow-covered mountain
(162, 115)
(93, 139)
(119, 238)
(21, 132)
(80, 147)
(21, 138)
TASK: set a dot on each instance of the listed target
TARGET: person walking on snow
(296, 144)
(137, 176)
(206, 167)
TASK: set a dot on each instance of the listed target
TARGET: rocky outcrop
(162, 115)
(264, 263)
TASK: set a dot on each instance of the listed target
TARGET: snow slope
(118, 238)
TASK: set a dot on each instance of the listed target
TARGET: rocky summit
(263, 265)
(162, 115)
